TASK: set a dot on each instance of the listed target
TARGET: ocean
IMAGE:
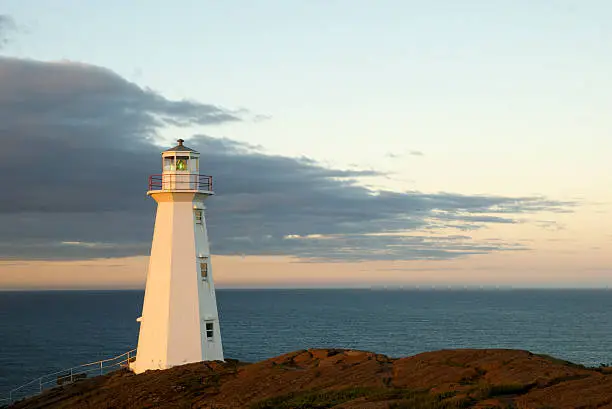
(41, 332)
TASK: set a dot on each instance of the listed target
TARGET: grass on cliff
(322, 399)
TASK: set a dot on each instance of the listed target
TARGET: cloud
(550, 225)
(78, 145)
(395, 155)
(7, 25)
(68, 129)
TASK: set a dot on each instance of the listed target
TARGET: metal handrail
(181, 181)
(69, 375)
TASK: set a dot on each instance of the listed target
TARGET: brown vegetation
(349, 379)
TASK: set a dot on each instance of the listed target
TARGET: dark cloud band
(77, 147)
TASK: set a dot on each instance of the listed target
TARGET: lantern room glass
(181, 163)
(168, 164)
(189, 164)
(195, 164)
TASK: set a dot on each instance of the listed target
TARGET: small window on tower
(209, 330)
(198, 216)
(204, 269)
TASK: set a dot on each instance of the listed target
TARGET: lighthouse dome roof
(180, 147)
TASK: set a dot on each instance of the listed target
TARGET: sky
(352, 143)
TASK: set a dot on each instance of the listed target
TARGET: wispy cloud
(7, 26)
(397, 155)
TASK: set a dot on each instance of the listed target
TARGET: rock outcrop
(334, 378)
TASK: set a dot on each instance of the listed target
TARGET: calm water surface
(42, 332)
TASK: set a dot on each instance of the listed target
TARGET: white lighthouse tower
(179, 322)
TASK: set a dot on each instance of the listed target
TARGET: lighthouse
(179, 322)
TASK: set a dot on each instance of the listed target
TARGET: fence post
(100, 367)
(40, 384)
(10, 396)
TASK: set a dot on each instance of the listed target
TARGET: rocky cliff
(332, 378)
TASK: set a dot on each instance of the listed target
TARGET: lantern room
(181, 172)
(180, 159)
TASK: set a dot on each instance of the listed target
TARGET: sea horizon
(372, 288)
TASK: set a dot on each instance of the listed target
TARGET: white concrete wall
(177, 301)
